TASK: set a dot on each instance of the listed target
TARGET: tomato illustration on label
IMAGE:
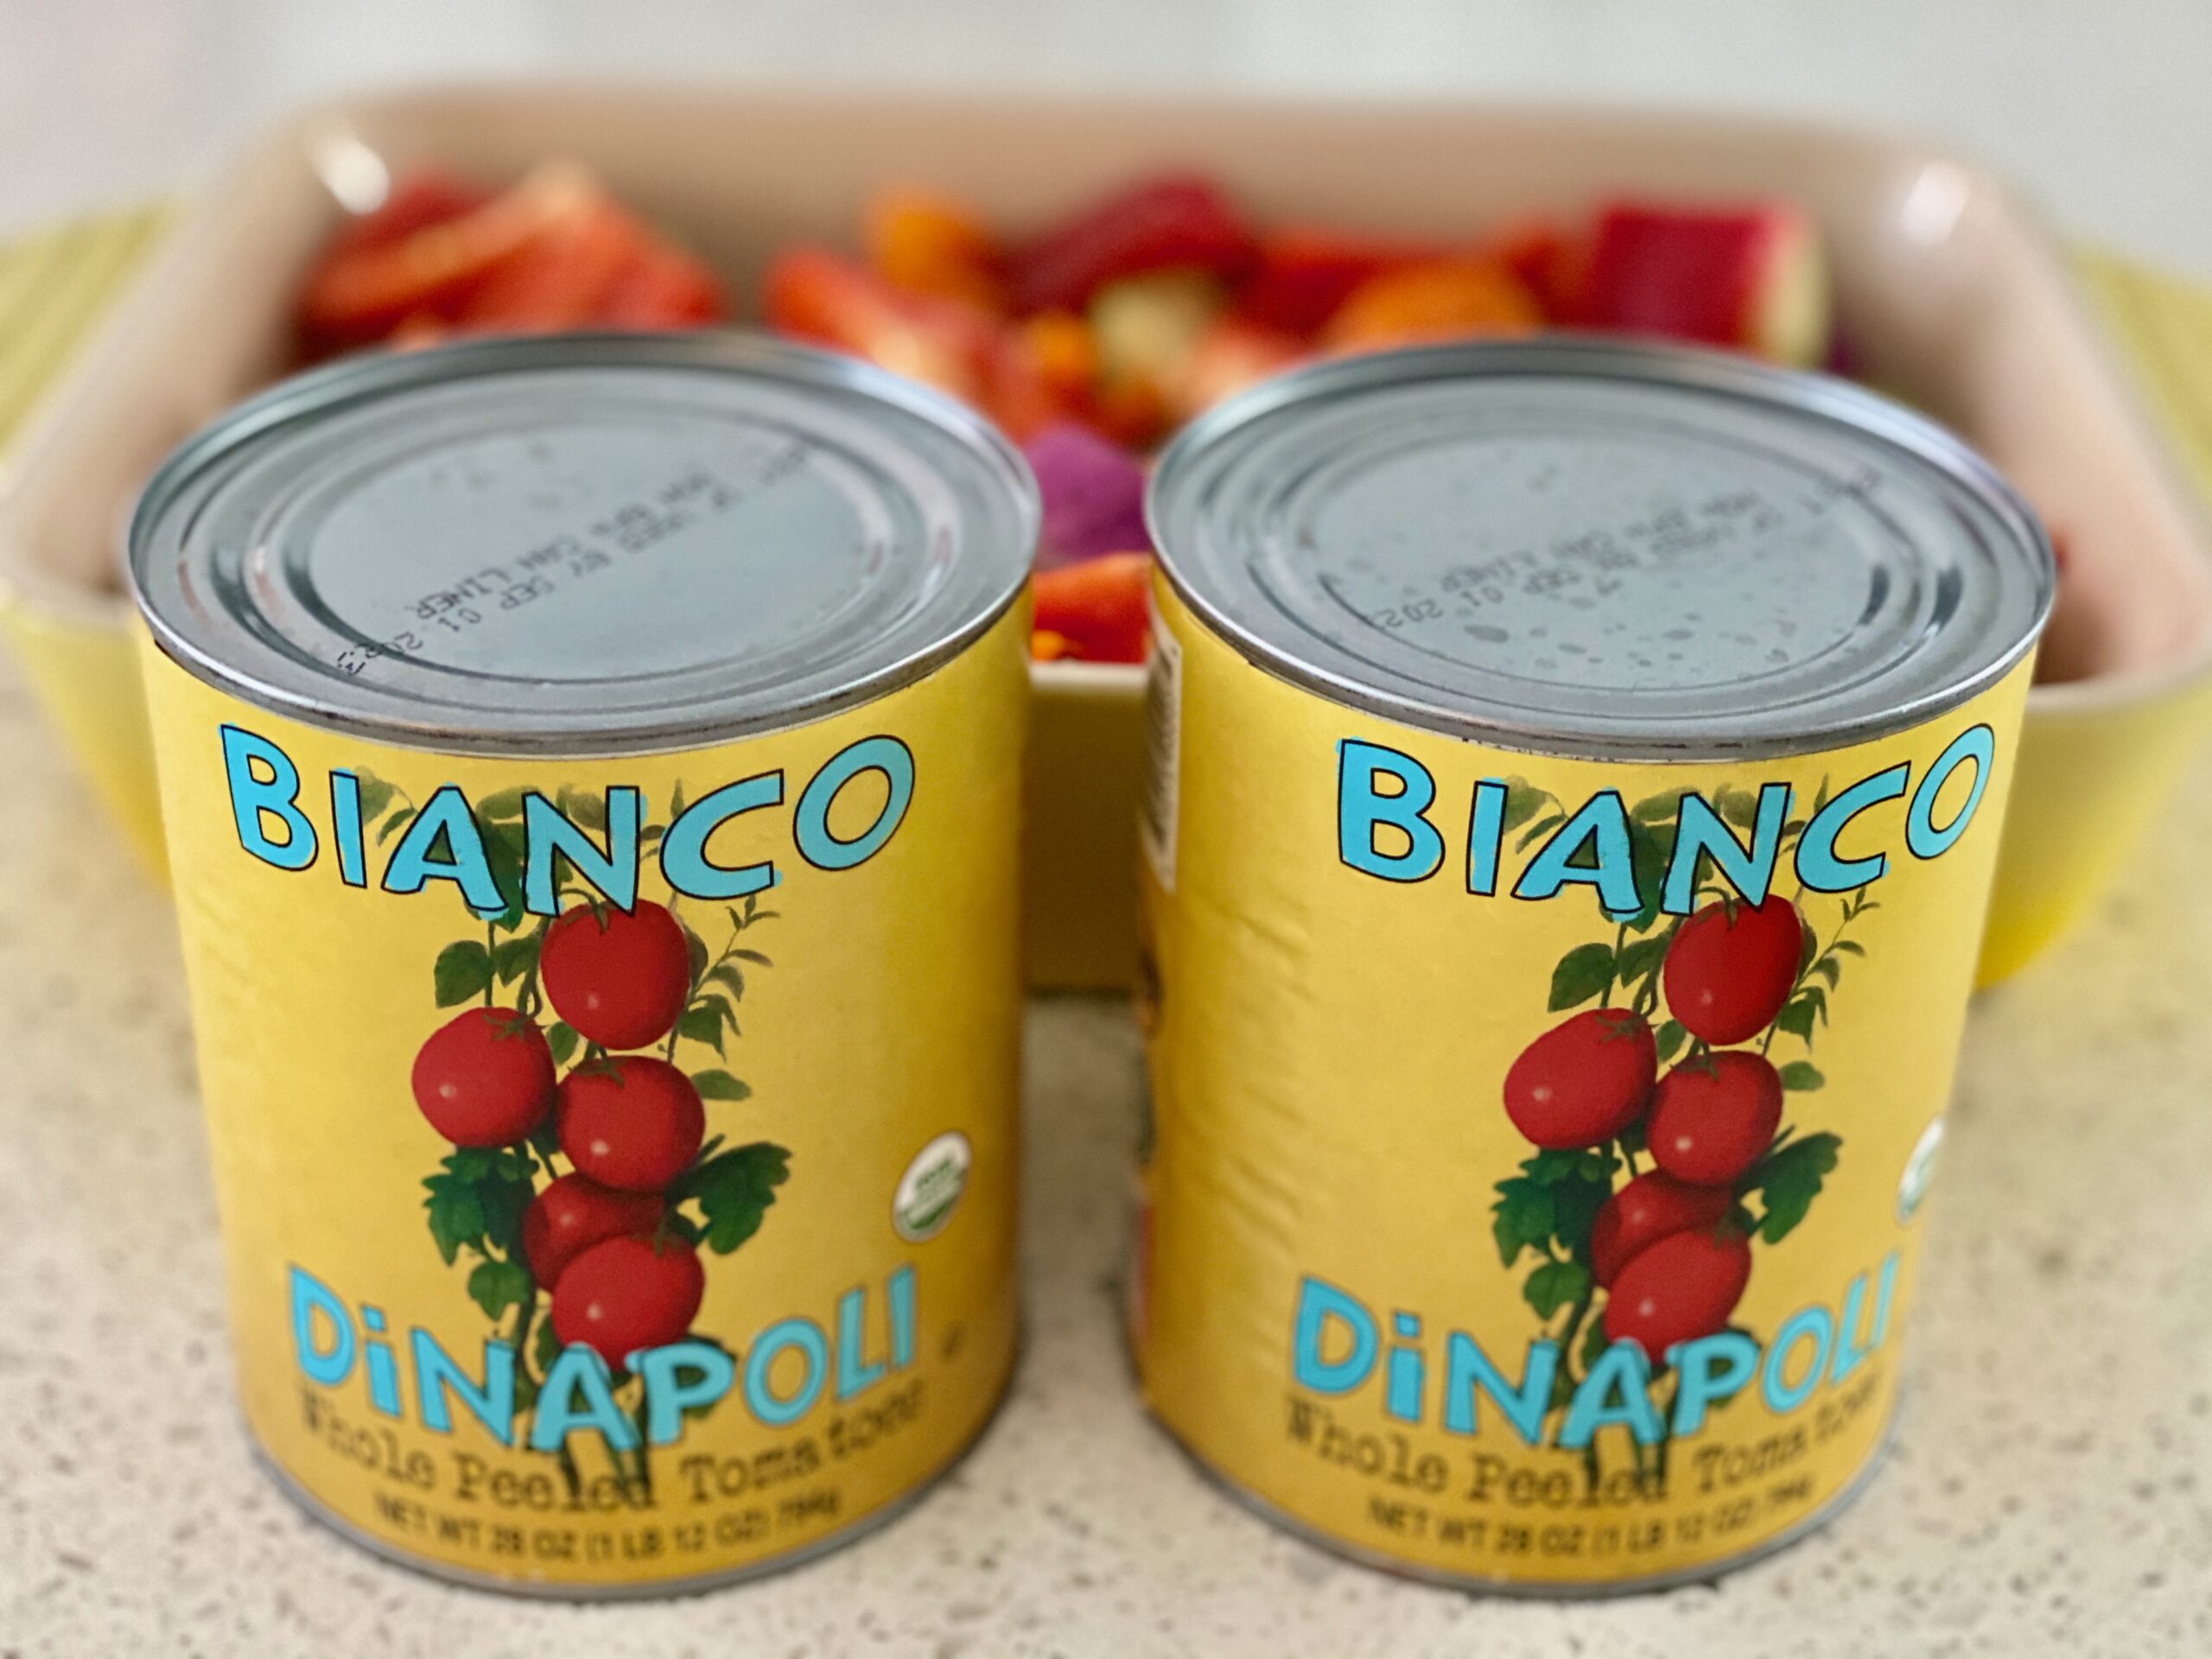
(484, 1078)
(619, 978)
(1657, 1115)
(606, 1253)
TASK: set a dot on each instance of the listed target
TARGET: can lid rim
(354, 381)
(1853, 408)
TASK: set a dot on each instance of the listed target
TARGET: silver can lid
(584, 544)
(1615, 551)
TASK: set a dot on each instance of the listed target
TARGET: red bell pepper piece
(1750, 277)
(665, 287)
(1096, 608)
(360, 293)
(561, 277)
(1305, 272)
(416, 201)
(1172, 223)
(1541, 255)
(813, 294)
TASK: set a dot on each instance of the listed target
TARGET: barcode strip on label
(1163, 713)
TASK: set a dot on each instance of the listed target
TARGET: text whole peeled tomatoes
(583, 1184)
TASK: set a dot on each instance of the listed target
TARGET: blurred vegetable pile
(1091, 339)
(1088, 340)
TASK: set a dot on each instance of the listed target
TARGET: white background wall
(2100, 108)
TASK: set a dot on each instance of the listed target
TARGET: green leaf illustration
(562, 1041)
(1555, 1197)
(1522, 802)
(504, 804)
(1538, 830)
(1803, 1075)
(1739, 807)
(375, 794)
(456, 1218)
(1522, 1218)
(1555, 1285)
(513, 958)
(499, 1286)
(1788, 1180)
(463, 969)
(735, 1189)
(1583, 973)
(583, 808)
(702, 1025)
(720, 1085)
(1638, 959)
(548, 1347)
(1670, 1039)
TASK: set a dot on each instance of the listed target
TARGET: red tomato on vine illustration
(484, 1078)
(630, 1121)
(619, 978)
(584, 1189)
(624, 1294)
(1661, 1156)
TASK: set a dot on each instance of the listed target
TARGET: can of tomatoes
(591, 772)
(1576, 773)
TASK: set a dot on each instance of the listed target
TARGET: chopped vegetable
(1165, 224)
(561, 277)
(1088, 341)
(1093, 492)
(1305, 272)
(356, 294)
(1750, 278)
(664, 287)
(1096, 610)
(1445, 299)
(1230, 355)
(416, 201)
(441, 257)
(1148, 329)
(931, 244)
(817, 294)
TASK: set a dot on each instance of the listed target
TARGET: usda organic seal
(930, 1190)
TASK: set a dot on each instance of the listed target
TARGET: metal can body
(615, 1137)
(1532, 1193)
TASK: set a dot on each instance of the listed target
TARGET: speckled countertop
(2051, 1493)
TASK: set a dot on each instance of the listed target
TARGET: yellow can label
(616, 1157)
(1532, 1187)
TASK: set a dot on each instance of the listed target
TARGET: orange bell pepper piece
(1446, 299)
(931, 244)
